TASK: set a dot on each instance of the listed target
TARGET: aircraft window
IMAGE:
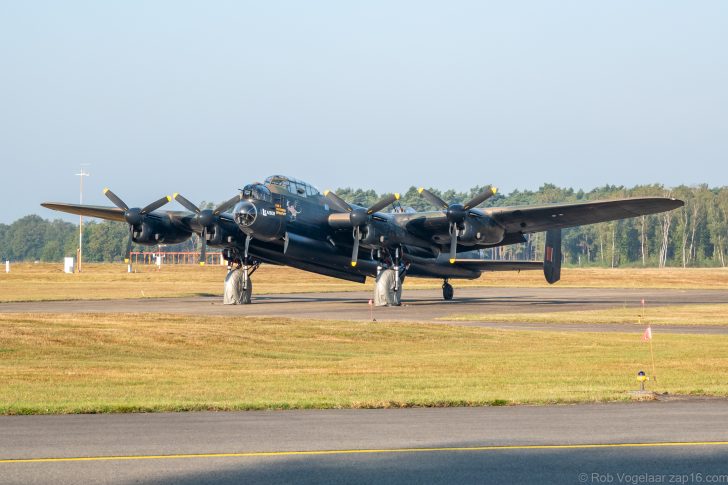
(257, 192)
(281, 182)
(311, 191)
(293, 186)
(263, 193)
(285, 185)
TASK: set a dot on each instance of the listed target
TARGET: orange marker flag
(647, 336)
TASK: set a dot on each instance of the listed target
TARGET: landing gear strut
(447, 290)
(248, 270)
(396, 263)
(249, 266)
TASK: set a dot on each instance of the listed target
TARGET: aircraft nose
(245, 213)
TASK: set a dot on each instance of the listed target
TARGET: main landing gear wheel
(447, 291)
(248, 293)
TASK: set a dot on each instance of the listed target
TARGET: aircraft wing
(490, 265)
(102, 212)
(558, 216)
(181, 218)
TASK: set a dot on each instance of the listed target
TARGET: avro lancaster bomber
(285, 221)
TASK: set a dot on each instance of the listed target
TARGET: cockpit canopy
(296, 187)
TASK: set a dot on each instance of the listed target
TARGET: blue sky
(203, 97)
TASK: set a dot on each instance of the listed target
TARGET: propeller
(456, 213)
(206, 217)
(134, 216)
(359, 216)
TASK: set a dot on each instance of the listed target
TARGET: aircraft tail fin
(552, 256)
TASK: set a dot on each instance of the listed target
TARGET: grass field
(115, 363)
(29, 282)
(665, 315)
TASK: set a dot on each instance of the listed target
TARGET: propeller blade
(433, 199)
(453, 243)
(338, 201)
(203, 251)
(480, 198)
(382, 203)
(355, 250)
(228, 204)
(127, 254)
(184, 202)
(156, 204)
(116, 200)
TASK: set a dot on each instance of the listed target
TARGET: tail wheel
(447, 291)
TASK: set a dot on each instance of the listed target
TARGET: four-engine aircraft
(285, 221)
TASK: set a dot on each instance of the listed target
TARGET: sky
(202, 98)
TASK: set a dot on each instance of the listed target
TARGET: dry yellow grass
(29, 282)
(115, 363)
(708, 314)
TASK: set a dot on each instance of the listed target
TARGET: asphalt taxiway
(418, 305)
(670, 441)
(520, 444)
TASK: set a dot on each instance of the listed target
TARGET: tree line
(694, 235)
(33, 238)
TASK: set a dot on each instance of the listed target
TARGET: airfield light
(641, 378)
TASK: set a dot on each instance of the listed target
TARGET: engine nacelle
(152, 232)
(260, 219)
(481, 230)
(370, 235)
(218, 234)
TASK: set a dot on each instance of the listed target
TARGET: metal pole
(80, 217)
(652, 354)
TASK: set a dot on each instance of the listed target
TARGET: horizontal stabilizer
(490, 265)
